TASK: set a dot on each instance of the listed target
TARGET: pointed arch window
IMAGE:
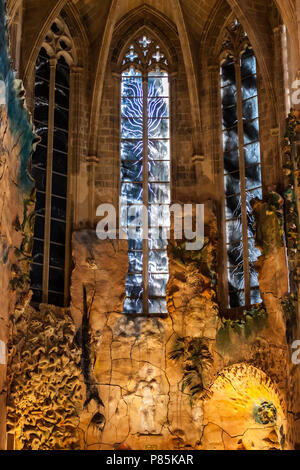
(242, 165)
(50, 167)
(145, 173)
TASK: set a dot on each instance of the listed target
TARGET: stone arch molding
(58, 42)
(244, 412)
(139, 30)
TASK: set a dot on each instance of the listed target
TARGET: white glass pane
(158, 262)
(159, 171)
(158, 107)
(159, 193)
(159, 149)
(159, 215)
(158, 284)
(157, 306)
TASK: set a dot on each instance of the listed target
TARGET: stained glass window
(50, 169)
(242, 174)
(145, 176)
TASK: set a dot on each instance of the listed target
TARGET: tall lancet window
(50, 167)
(145, 174)
(242, 166)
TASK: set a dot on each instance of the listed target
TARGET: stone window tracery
(145, 173)
(50, 165)
(242, 165)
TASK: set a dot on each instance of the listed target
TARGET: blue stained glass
(158, 262)
(159, 171)
(133, 306)
(134, 285)
(249, 87)
(233, 231)
(159, 215)
(248, 63)
(159, 149)
(158, 128)
(251, 131)
(159, 193)
(158, 284)
(131, 193)
(131, 107)
(134, 185)
(132, 128)
(157, 305)
(131, 149)
(135, 262)
(132, 170)
(250, 109)
(158, 107)
(252, 153)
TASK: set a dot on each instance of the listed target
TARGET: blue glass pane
(132, 87)
(251, 131)
(230, 140)
(228, 73)
(255, 297)
(228, 96)
(231, 161)
(236, 298)
(158, 128)
(252, 153)
(131, 193)
(134, 285)
(158, 306)
(232, 183)
(158, 238)
(132, 171)
(131, 215)
(236, 278)
(159, 149)
(159, 216)
(250, 109)
(229, 117)
(158, 284)
(133, 306)
(158, 86)
(159, 193)
(233, 207)
(233, 231)
(131, 150)
(248, 63)
(158, 107)
(235, 254)
(256, 193)
(159, 171)
(132, 107)
(135, 262)
(158, 262)
(253, 177)
(132, 128)
(254, 252)
(42, 67)
(249, 87)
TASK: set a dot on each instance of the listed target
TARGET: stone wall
(16, 138)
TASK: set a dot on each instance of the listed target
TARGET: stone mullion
(53, 62)
(242, 182)
(145, 197)
(73, 167)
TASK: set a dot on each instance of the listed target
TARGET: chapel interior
(118, 331)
